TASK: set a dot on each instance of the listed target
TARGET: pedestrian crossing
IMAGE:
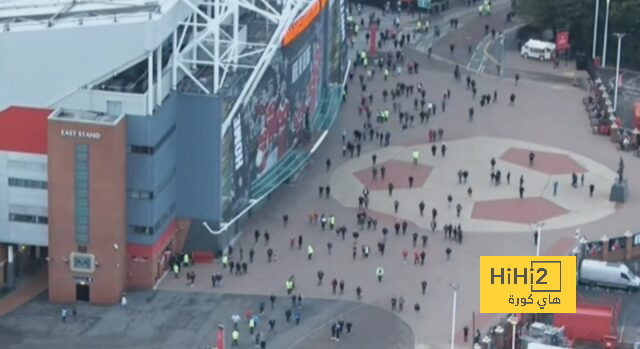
(425, 40)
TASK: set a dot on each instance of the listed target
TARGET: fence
(615, 249)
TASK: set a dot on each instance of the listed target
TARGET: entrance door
(82, 292)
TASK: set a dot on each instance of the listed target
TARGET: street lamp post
(513, 321)
(615, 93)
(595, 30)
(606, 28)
(455, 288)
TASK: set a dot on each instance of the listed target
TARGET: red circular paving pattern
(545, 162)
(397, 172)
(524, 211)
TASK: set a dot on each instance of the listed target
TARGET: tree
(577, 16)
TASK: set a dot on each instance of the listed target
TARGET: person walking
(289, 285)
(320, 276)
(235, 335)
(309, 251)
(358, 292)
(415, 155)
(421, 207)
(272, 300)
(424, 240)
(390, 188)
(256, 235)
(333, 332)
(521, 192)
(512, 100)
(555, 188)
(592, 188)
(416, 307)
(379, 273)
(448, 252)
(252, 325)
(458, 210)
(423, 284)
(532, 156)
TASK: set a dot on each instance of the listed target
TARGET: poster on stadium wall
(235, 167)
(284, 102)
(336, 41)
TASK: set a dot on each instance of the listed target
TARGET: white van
(610, 274)
(537, 49)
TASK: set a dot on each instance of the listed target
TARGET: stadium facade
(133, 129)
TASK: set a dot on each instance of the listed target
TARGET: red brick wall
(107, 222)
(140, 274)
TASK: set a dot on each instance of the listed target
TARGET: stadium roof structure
(51, 11)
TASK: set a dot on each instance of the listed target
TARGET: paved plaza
(548, 119)
(164, 319)
(491, 207)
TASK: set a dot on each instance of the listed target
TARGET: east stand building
(131, 142)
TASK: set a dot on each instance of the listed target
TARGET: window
(141, 149)
(27, 218)
(27, 183)
(82, 194)
(148, 150)
(149, 195)
(142, 230)
(27, 165)
(140, 194)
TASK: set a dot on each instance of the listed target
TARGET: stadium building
(133, 129)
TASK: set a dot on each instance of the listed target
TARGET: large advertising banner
(284, 102)
(274, 118)
(337, 39)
